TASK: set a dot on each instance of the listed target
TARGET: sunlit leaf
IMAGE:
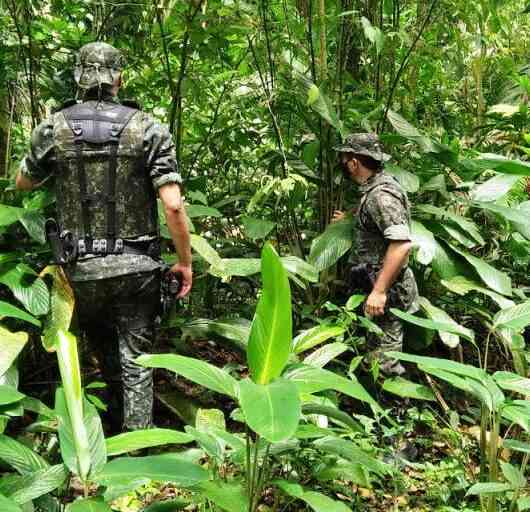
(271, 332)
(272, 410)
(336, 241)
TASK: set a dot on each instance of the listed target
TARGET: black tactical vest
(103, 187)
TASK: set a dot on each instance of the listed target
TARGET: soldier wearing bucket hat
(381, 270)
(109, 161)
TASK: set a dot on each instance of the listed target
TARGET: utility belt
(67, 248)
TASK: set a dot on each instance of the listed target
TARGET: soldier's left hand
(375, 303)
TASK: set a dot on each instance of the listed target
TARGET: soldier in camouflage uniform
(384, 242)
(107, 161)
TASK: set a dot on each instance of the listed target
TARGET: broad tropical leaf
(424, 240)
(61, 307)
(322, 356)
(11, 311)
(312, 380)
(336, 241)
(462, 285)
(446, 327)
(227, 496)
(271, 332)
(71, 405)
(272, 410)
(516, 317)
(7, 505)
(439, 315)
(202, 246)
(317, 501)
(163, 468)
(33, 485)
(12, 345)
(20, 457)
(197, 371)
(408, 389)
(88, 505)
(8, 395)
(257, 228)
(315, 336)
(30, 290)
(495, 279)
(140, 439)
(494, 188)
(462, 222)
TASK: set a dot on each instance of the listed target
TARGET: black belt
(106, 246)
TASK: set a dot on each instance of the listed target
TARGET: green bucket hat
(98, 64)
(364, 144)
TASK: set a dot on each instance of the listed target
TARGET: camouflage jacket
(384, 216)
(40, 164)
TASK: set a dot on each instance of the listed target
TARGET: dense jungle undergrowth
(256, 94)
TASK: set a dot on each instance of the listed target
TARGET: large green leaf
(31, 291)
(495, 279)
(227, 496)
(257, 228)
(140, 439)
(31, 486)
(323, 355)
(446, 264)
(202, 246)
(405, 129)
(409, 181)
(321, 104)
(8, 395)
(500, 164)
(439, 315)
(317, 501)
(11, 311)
(271, 333)
(488, 488)
(299, 267)
(494, 188)
(168, 506)
(197, 371)
(61, 307)
(441, 326)
(333, 243)
(20, 457)
(70, 402)
(408, 389)
(516, 317)
(309, 379)
(424, 240)
(350, 451)
(315, 336)
(199, 210)
(272, 410)
(34, 222)
(163, 468)
(512, 382)
(462, 285)
(88, 505)
(7, 505)
(462, 222)
(12, 344)
(234, 329)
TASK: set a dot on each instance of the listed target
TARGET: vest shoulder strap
(96, 126)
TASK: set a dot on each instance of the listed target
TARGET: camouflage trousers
(391, 339)
(118, 315)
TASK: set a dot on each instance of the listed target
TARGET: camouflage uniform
(117, 295)
(384, 216)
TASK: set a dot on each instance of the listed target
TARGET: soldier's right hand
(186, 278)
(338, 215)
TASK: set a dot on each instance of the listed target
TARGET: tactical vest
(103, 189)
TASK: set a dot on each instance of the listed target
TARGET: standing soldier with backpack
(108, 161)
(381, 269)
